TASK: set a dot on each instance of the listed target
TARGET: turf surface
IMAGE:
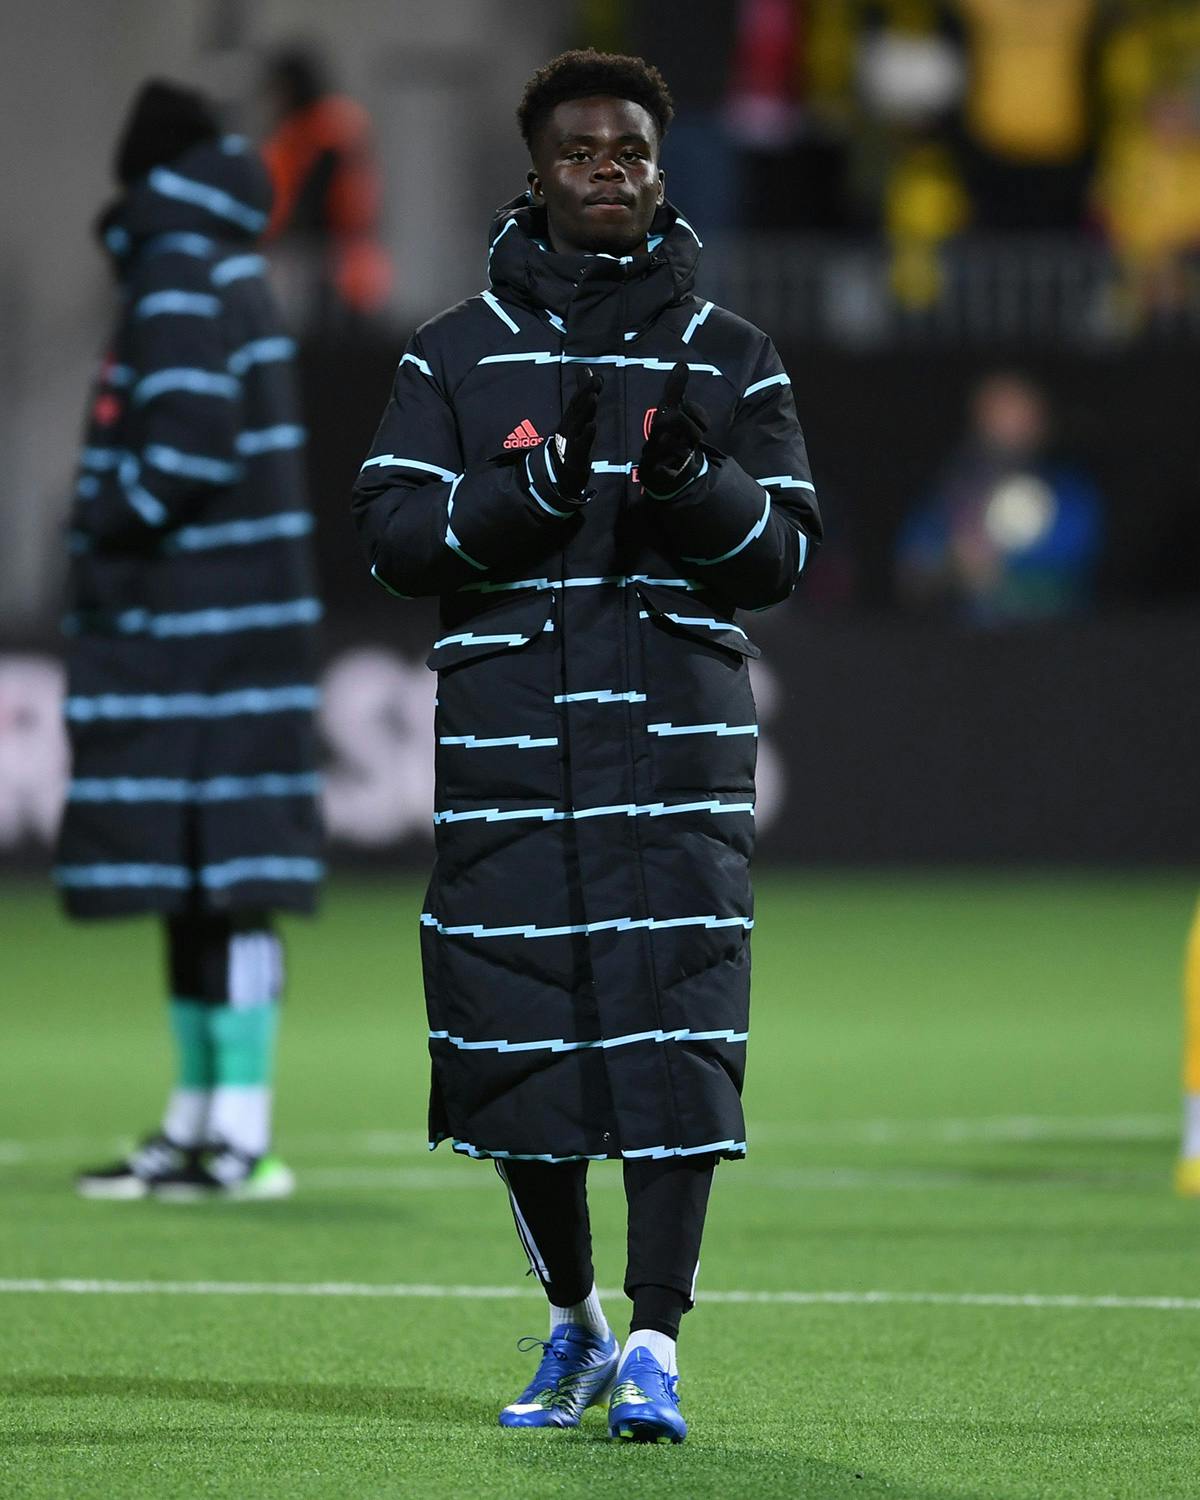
(958, 1085)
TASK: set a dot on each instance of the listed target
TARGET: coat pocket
(701, 724)
(497, 733)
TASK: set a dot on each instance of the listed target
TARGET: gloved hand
(672, 455)
(564, 464)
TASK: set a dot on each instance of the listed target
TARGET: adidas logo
(523, 436)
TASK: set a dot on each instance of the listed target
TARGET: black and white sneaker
(135, 1175)
(221, 1171)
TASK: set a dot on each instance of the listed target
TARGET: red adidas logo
(524, 436)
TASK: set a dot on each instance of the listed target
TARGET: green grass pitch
(958, 1085)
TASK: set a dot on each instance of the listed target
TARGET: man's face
(595, 167)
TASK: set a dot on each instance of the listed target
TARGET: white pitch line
(433, 1291)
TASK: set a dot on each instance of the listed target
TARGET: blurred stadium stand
(907, 194)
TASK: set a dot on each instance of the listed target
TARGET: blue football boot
(576, 1371)
(644, 1405)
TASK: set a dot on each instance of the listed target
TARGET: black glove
(564, 464)
(672, 455)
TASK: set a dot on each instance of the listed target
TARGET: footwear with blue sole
(644, 1404)
(576, 1371)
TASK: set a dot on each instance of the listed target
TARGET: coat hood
(219, 189)
(626, 291)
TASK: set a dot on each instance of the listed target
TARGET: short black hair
(584, 74)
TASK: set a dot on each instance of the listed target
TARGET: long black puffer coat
(191, 634)
(587, 929)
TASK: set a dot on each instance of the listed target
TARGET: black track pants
(667, 1201)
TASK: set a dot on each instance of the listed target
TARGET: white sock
(1191, 1124)
(586, 1314)
(186, 1119)
(662, 1348)
(240, 1116)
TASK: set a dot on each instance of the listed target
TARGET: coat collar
(595, 296)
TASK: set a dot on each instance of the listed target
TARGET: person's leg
(667, 1203)
(243, 988)
(550, 1210)
(579, 1359)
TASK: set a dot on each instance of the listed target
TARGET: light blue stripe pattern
(288, 523)
(494, 303)
(788, 482)
(261, 352)
(761, 385)
(600, 695)
(383, 583)
(390, 461)
(697, 322)
(218, 621)
(101, 458)
(415, 359)
(180, 877)
(509, 741)
(191, 304)
(751, 536)
(484, 586)
(215, 200)
(551, 510)
(88, 487)
(656, 1153)
(83, 709)
(581, 814)
(622, 361)
(684, 1034)
(602, 466)
(190, 465)
(214, 789)
(198, 382)
(270, 439)
(469, 638)
(683, 223)
(450, 539)
(708, 624)
(720, 730)
(613, 924)
(265, 867)
(181, 242)
(126, 876)
(237, 268)
(509, 224)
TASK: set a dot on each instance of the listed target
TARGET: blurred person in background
(590, 531)
(1187, 1172)
(190, 653)
(1009, 532)
(323, 232)
(1027, 112)
(1147, 188)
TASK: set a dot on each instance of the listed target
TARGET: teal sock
(242, 1041)
(194, 1060)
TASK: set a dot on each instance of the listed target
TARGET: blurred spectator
(325, 219)
(910, 77)
(1027, 116)
(1147, 192)
(1009, 533)
(788, 108)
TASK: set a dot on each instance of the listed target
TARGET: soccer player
(190, 658)
(592, 468)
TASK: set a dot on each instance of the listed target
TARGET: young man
(593, 469)
(190, 656)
